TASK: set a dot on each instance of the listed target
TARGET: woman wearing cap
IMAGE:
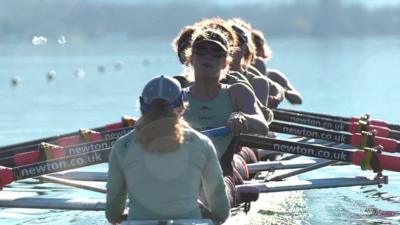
(181, 43)
(214, 104)
(162, 162)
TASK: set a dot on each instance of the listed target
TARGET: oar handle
(216, 131)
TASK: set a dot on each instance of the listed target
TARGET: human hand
(237, 122)
(268, 114)
(273, 102)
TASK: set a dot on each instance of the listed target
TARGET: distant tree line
(84, 19)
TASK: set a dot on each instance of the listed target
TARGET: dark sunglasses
(215, 52)
(211, 53)
(203, 51)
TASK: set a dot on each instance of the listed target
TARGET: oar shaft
(57, 152)
(61, 164)
(342, 118)
(279, 145)
(352, 127)
(32, 147)
(331, 153)
(355, 140)
(46, 139)
(8, 175)
(104, 135)
(278, 186)
(301, 171)
(72, 183)
(304, 131)
(347, 119)
(126, 121)
(311, 120)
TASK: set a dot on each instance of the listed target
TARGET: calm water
(335, 76)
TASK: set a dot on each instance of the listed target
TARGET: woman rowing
(242, 58)
(182, 42)
(181, 45)
(236, 70)
(162, 163)
(243, 64)
(263, 54)
(214, 104)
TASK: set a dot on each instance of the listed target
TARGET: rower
(214, 104)
(162, 163)
(181, 45)
(243, 58)
(264, 54)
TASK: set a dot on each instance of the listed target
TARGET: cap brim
(212, 41)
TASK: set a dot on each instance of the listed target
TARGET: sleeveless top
(211, 114)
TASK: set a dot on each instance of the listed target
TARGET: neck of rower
(204, 90)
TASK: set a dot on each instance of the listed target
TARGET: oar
(32, 146)
(98, 204)
(279, 186)
(72, 183)
(355, 140)
(105, 131)
(381, 123)
(300, 171)
(315, 166)
(387, 162)
(81, 175)
(352, 127)
(9, 175)
(45, 151)
(252, 167)
(292, 156)
(280, 127)
(48, 152)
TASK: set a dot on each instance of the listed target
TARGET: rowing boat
(238, 214)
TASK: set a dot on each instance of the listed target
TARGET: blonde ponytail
(161, 130)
